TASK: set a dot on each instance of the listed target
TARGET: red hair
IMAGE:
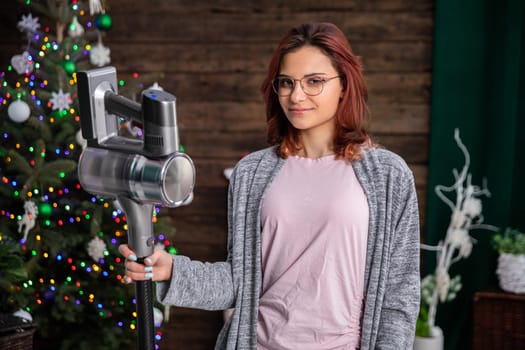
(352, 110)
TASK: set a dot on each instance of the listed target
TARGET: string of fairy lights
(53, 210)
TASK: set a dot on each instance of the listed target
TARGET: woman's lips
(298, 111)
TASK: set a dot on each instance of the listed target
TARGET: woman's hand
(157, 267)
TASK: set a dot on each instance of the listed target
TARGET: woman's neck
(316, 145)
(314, 155)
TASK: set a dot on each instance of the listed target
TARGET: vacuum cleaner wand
(138, 173)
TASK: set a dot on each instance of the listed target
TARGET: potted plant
(511, 261)
(466, 214)
(428, 335)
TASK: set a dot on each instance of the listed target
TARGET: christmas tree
(59, 260)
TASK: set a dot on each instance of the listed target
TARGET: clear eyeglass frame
(318, 87)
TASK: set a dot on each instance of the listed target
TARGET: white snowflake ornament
(96, 248)
(28, 24)
(23, 63)
(60, 100)
(99, 55)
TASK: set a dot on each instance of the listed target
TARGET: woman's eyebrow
(304, 76)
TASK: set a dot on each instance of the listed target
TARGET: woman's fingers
(143, 275)
(126, 252)
(142, 271)
(138, 272)
(156, 267)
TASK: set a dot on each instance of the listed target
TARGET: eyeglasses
(312, 86)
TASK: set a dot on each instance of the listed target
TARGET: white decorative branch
(466, 214)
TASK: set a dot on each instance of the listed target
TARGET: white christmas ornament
(99, 55)
(75, 29)
(117, 206)
(24, 315)
(95, 7)
(28, 24)
(60, 100)
(96, 248)
(28, 219)
(166, 313)
(23, 63)
(18, 111)
(227, 173)
(158, 317)
(156, 86)
(160, 245)
(80, 140)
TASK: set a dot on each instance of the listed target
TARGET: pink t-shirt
(314, 234)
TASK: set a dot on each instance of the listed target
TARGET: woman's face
(310, 114)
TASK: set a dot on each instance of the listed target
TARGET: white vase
(434, 342)
(510, 272)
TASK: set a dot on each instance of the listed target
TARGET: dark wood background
(214, 56)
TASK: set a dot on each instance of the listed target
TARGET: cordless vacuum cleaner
(139, 173)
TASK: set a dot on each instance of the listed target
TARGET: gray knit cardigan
(391, 296)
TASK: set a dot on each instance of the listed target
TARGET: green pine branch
(50, 173)
(40, 128)
(19, 163)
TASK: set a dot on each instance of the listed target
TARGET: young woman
(323, 227)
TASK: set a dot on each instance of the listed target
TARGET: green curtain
(479, 87)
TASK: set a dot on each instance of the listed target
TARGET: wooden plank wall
(214, 56)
